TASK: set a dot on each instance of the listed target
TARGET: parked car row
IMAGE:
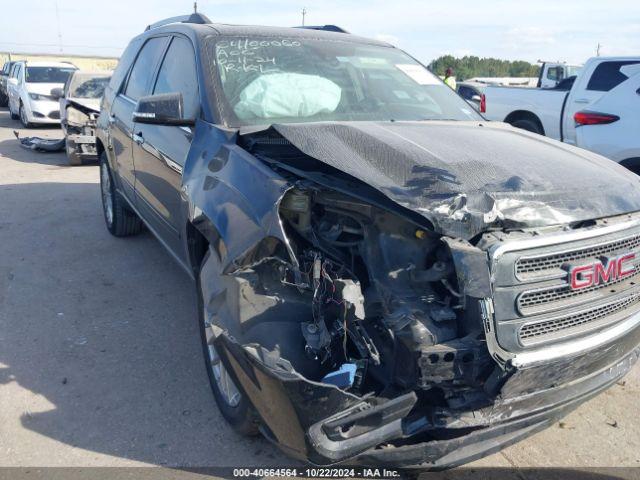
(381, 274)
(56, 93)
(598, 109)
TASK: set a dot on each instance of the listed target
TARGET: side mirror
(57, 93)
(476, 98)
(162, 109)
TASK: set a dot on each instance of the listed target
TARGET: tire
(234, 406)
(120, 220)
(528, 125)
(72, 153)
(23, 118)
(13, 115)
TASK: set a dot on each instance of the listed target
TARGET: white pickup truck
(552, 111)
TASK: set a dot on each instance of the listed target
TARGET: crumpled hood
(466, 177)
(92, 104)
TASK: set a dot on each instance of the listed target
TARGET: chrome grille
(543, 265)
(533, 303)
(532, 332)
(555, 297)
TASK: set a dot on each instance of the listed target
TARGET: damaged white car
(79, 109)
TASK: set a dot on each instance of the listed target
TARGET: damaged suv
(383, 277)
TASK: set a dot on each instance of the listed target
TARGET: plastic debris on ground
(40, 144)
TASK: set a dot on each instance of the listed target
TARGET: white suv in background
(610, 126)
(29, 90)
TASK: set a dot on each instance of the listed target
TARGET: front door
(120, 116)
(160, 150)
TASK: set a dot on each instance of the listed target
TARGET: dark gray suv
(382, 275)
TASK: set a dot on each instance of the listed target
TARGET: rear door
(13, 86)
(160, 150)
(589, 88)
(120, 117)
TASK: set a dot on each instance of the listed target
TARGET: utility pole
(598, 49)
(195, 7)
(58, 24)
(304, 12)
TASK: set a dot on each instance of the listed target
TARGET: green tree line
(470, 66)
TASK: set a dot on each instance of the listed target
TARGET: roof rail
(198, 18)
(326, 28)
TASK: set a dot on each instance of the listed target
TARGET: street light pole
(304, 12)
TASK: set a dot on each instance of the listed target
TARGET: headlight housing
(76, 116)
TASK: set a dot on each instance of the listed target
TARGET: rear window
(48, 74)
(607, 76)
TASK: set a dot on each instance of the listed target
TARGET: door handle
(582, 100)
(138, 138)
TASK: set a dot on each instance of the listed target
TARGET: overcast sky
(529, 30)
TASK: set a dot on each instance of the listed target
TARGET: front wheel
(13, 115)
(234, 406)
(120, 220)
(23, 117)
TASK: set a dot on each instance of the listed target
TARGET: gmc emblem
(600, 272)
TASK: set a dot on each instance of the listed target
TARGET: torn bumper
(324, 425)
(81, 139)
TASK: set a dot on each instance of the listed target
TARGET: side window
(143, 69)
(607, 75)
(178, 74)
(554, 73)
(126, 59)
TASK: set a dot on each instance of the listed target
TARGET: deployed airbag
(285, 95)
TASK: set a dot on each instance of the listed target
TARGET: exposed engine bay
(80, 129)
(381, 308)
(384, 299)
(369, 320)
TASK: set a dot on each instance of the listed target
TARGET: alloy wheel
(225, 383)
(107, 199)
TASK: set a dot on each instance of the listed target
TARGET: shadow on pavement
(100, 346)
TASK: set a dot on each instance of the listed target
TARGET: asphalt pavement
(100, 360)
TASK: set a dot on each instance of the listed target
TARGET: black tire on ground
(13, 115)
(120, 220)
(23, 118)
(242, 416)
(528, 125)
(72, 153)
